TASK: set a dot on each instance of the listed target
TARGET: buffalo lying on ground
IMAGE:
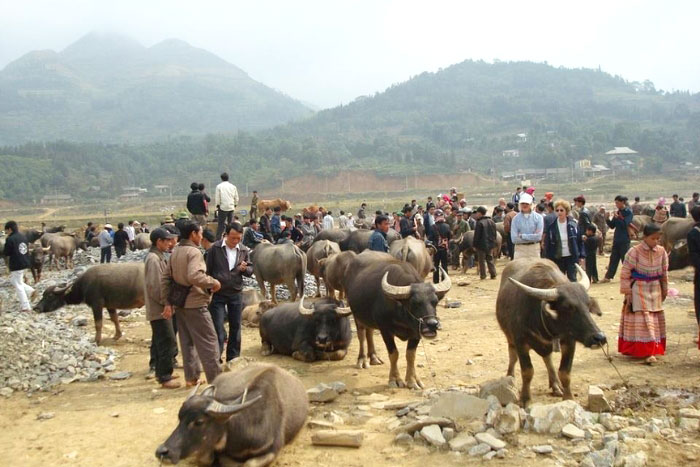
(390, 295)
(536, 305)
(112, 286)
(321, 332)
(318, 251)
(414, 252)
(279, 264)
(334, 271)
(246, 416)
(250, 316)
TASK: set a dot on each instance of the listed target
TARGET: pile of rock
(281, 291)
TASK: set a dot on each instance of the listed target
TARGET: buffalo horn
(208, 391)
(47, 249)
(584, 281)
(343, 310)
(395, 292)
(548, 295)
(217, 408)
(303, 310)
(194, 391)
(445, 283)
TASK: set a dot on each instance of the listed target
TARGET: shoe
(193, 383)
(493, 277)
(604, 281)
(26, 310)
(151, 374)
(170, 384)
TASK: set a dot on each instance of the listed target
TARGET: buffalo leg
(554, 383)
(273, 294)
(362, 338)
(318, 287)
(527, 371)
(395, 380)
(292, 286)
(412, 380)
(512, 358)
(371, 349)
(115, 319)
(305, 353)
(261, 285)
(568, 348)
(97, 315)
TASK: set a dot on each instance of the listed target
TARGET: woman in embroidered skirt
(644, 282)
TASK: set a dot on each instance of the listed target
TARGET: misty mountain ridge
(107, 87)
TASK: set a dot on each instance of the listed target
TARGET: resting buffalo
(358, 240)
(246, 416)
(464, 247)
(414, 252)
(673, 230)
(537, 304)
(334, 271)
(318, 251)
(390, 295)
(279, 264)
(321, 332)
(111, 286)
(334, 235)
(250, 316)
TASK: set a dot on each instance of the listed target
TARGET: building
(57, 199)
(621, 151)
(162, 189)
(511, 153)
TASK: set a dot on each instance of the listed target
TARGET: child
(591, 245)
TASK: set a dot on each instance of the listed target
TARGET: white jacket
(327, 222)
(226, 196)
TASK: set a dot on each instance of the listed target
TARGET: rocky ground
(70, 402)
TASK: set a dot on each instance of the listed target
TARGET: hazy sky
(329, 52)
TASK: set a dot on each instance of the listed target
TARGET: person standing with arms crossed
(526, 230)
(620, 221)
(225, 199)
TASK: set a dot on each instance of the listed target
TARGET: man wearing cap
(162, 334)
(106, 242)
(526, 230)
(678, 208)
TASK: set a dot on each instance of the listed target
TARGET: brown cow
(273, 203)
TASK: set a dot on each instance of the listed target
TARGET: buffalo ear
(441, 295)
(554, 314)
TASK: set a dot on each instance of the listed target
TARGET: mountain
(110, 88)
(460, 118)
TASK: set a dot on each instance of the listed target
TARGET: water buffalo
(246, 416)
(358, 240)
(637, 225)
(464, 246)
(55, 229)
(390, 295)
(318, 251)
(334, 271)
(414, 252)
(142, 241)
(321, 332)
(503, 251)
(673, 230)
(334, 235)
(111, 286)
(36, 260)
(273, 203)
(32, 235)
(279, 264)
(250, 316)
(64, 246)
(537, 304)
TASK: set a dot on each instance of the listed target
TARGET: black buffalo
(390, 295)
(334, 235)
(321, 332)
(536, 305)
(358, 240)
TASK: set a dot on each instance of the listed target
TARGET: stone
(463, 442)
(6, 392)
(114, 414)
(601, 458)
(458, 406)
(345, 438)
(596, 400)
(501, 453)
(689, 413)
(403, 412)
(632, 432)
(552, 418)
(508, 420)
(578, 450)
(320, 424)
(45, 416)
(638, 459)
(489, 455)
(403, 439)
(339, 386)
(120, 376)
(613, 447)
(448, 433)
(613, 422)
(159, 410)
(401, 405)
(486, 438)
(322, 393)
(479, 449)
(503, 388)
(571, 431)
(433, 435)
(689, 424)
(79, 321)
(543, 449)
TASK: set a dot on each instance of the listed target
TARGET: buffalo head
(326, 316)
(570, 307)
(54, 298)
(419, 300)
(202, 428)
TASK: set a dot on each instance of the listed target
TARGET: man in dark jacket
(252, 236)
(265, 224)
(121, 240)
(377, 241)
(694, 252)
(406, 223)
(196, 205)
(621, 238)
(17, 258)
(485, 242)
(276, 223)
(440, 236)
(228, 261)
(678, 208)
(584, 215)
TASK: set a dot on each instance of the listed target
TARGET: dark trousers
(164, 348)
(591, 264)
(223, 308)
(567, 265)
(120, 250)
(106, 254)
(617, 255)
(439, 260)
(485, 258)
(152, 361)
(511, 246)
(225, 217)
(697, 295)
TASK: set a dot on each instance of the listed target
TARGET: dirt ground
(120, 423)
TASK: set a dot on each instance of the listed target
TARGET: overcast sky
(329, 52)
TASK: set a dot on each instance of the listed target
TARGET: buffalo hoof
(556, 391)
(396, 383)
(415, 384)
(266, 350)
(362, 363)
(303, 357)
(374, 360)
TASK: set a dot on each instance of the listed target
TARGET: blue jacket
(552, 240)
(275, 226)
(620, 225)
(377, 241)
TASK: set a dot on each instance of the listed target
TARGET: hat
(549, 195)
(137, 223)
(525, 198)
(530, 190)
(161, 234)
(662, 201)
(462, 201)
(108, 226)
(168, 219)
(580, 198)
(183, 215)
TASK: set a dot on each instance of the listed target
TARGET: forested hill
(109, 88)
(461, 117)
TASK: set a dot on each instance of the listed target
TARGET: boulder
(492, 441)
(503, 388)
(322, 393)
(689, 424)
(613, 422)
(573, 432)
(552, 418)
(508, 420)
(689, 412)
(479, 449)
(638, 459)
(448, 433)
(433, 435)
(596, 400)
(403, 439)
(459, 406)
(543, 449)
(601, 458)
(463, 442)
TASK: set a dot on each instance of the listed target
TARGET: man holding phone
(228, 261)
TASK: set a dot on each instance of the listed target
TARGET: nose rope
(606, 352)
